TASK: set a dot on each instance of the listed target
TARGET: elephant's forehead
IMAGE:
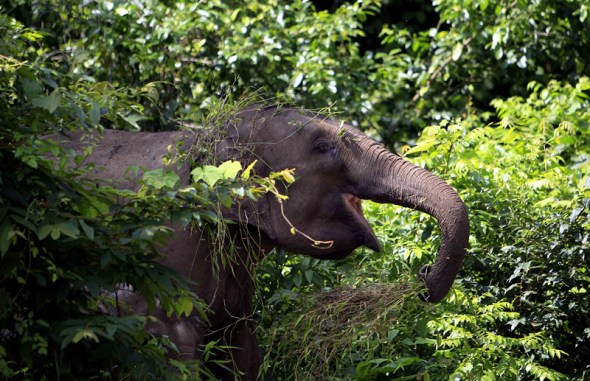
(299, 127)
(300, 122)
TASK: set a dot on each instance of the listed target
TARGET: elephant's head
(335, 167)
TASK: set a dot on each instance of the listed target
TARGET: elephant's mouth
(354, 207)
(360, 230)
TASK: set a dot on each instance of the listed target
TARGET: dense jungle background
(492, 96)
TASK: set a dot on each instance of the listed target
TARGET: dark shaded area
(414, 15)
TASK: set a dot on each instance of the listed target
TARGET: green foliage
(398, 78)
(520, 309)
(526, 180)
(223, 48)
(471, 345)
(66, 244)
(391, 78)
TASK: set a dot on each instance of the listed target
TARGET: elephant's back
(115, 154)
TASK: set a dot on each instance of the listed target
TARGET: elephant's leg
(242, 355)
(245, 352)
(187, 333)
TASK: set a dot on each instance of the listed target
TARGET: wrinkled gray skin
(335, 166)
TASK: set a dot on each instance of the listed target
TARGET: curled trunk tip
(440, 276)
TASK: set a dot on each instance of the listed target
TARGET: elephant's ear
(254, 213)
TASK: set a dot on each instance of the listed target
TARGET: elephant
(335, 166)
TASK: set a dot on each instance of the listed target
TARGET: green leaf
(184, 305)
(422, 146)
(31, 88)
(85, 334)
(184, 217)
(160, 178)
(49, 102)
(7, 233)
(94, 113)
(230, 169)
(309, 275)
(88, 230)
(297, 81)
(91, 206)
(212, 174)
(457, 51)
(68, 228)
(246, 173)
(105, 259)
(132, 119)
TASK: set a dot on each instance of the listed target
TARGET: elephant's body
(227, 292)
(335, 165)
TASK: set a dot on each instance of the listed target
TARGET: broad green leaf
(94, 113)
(85, 334)
(68, 228)
(212, 174)
(160, 178)
(230, 169)
(49, 102)
(32, 88)
(88, 230)
(91, 207)
(132, 119)
(297, 81)
(184, 305)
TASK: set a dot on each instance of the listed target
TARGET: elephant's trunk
(392, 179)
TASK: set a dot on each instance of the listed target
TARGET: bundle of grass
(333, 331)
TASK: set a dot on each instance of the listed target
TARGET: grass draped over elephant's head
(218, 124)
(216, 140)
(206, 136)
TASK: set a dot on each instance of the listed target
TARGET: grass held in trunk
(331, 328)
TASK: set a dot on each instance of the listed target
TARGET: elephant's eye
(323, 147)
